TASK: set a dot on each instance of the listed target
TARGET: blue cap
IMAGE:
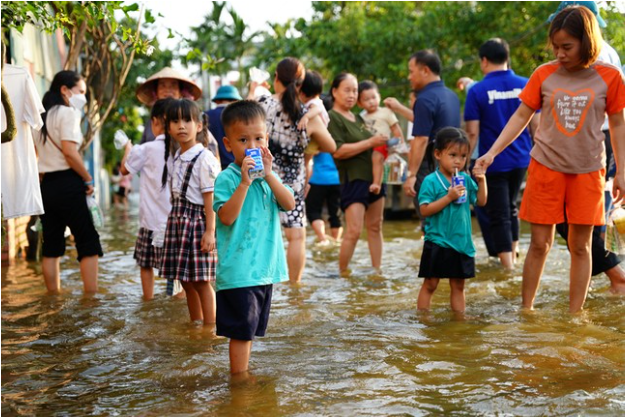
(591, 5)
(227, 92)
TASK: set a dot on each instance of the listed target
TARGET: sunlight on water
(350, 346)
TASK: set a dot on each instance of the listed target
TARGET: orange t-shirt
(569, 137)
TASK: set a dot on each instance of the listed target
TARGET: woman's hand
(89, 186)
(618, 189)
(379, 140)
(482, 164)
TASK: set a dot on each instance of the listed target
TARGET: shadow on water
(351, 346)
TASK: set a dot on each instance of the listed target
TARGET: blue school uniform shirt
(450, 227)
(250, 251)
(492, 102)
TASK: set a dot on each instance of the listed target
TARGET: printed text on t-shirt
(570, 108)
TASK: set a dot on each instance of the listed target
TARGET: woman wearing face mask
(65, 182)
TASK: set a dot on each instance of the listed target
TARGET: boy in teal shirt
(250, 245)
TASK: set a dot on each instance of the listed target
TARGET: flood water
(335, 346)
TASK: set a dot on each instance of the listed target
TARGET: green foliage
(128, 114)
(614, 34)
(374, 40)
(105, 47)
(217, 46)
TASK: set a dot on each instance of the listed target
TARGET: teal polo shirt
(250, 251)
(450, 227)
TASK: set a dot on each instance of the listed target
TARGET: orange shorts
(550, 194)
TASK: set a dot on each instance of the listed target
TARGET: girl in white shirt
(189, 253)
(65, 182)
(154, 199)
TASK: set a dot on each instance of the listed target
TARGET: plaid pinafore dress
(182, 258)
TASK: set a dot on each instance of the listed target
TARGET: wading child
(322, 177)
(448, 251)
(250, 244)
(154, 200)
(189, 253)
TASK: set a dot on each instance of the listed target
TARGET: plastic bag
(615, 231)
(259, 76)
(394, 170)
(120, 139)
(96, 214)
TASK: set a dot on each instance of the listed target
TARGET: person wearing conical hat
(167, 83)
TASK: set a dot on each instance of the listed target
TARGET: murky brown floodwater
(335, 346)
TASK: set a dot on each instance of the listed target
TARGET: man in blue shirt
(436, 107)
(489, 106)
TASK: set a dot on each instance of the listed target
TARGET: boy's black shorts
(242, 313)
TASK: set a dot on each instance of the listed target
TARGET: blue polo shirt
(492, 102)
(436, 107)
(250, 251)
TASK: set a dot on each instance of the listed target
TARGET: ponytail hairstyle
(366, 85)
(203, 136)
(53, 96)
(177, 109)
(291, 73)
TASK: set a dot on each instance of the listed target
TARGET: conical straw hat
(147, 92)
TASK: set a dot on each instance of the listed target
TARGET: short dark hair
(243, 110)
(580, 23)
(366, 85)
(495, 50)
(313, 84)
(428, 58)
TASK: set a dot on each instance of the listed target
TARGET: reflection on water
(335, 346)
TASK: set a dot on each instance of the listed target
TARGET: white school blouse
(148, 159)
(203, 177)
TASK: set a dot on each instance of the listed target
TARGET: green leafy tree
(128, 115)
(218, 45)
(106, 49)
(374, 40)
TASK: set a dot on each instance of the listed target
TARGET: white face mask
(78, 100)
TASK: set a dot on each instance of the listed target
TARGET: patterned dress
(287, 144)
